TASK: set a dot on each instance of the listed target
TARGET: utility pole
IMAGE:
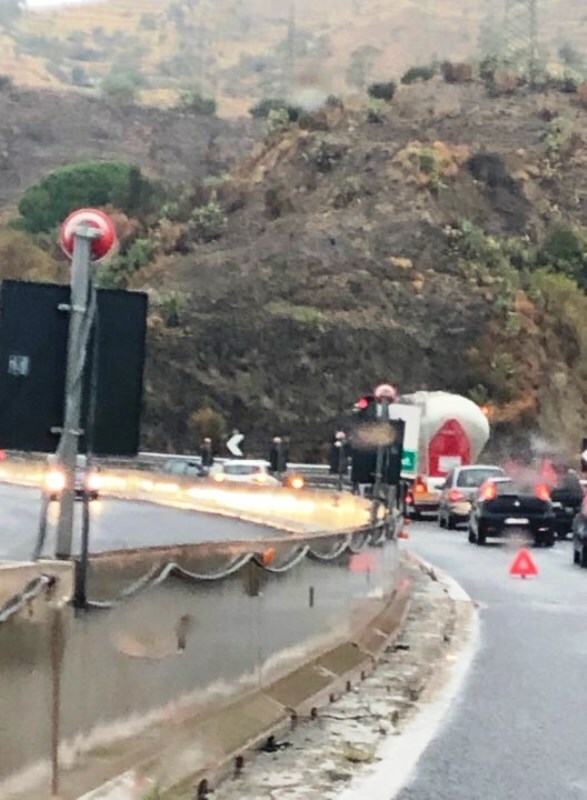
(290, 53)
(521, 34)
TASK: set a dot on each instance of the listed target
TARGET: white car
(244, 471)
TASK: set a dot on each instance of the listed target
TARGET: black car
(502, 508)
(580, 537)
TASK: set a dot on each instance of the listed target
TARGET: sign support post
(86, 235)
(76, 358)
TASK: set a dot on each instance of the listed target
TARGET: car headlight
(55, 481)
(94, 482)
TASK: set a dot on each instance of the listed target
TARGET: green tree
(361, 65)
(94, 183)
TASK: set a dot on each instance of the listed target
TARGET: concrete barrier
(84, 694)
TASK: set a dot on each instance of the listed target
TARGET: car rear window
(474, 478)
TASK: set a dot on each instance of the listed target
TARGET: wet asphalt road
(519, 729)
(116, 525)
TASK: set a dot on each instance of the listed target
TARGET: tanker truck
(443, 431)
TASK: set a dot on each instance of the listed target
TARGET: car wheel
(480, 538)
(472, 537)
(583, 557)
(548, 539)
(451, 522)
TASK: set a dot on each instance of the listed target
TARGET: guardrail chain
(353, 542)
(34, 588)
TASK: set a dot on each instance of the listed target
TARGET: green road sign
(409, 460)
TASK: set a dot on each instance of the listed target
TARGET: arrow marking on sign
(233, 444)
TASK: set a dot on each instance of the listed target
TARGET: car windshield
(241, 469)
(473, 478)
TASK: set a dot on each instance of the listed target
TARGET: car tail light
(454, 496)
(419, 486)
(297, 482)
(543, 492)
(55, 481)
(488, 492)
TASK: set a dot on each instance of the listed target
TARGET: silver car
(459, 490)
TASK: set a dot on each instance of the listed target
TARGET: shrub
(122, 86)
(93, 183)
(206, 422)
(565, 250)
(418, 74)
(173, 307)
(208, 222)
(456, 73)
(278, 120)
(6, 83)
(382, 91)
(79, 77)
(263, 109)
(21, 257)
(192, 100)
(140, 254)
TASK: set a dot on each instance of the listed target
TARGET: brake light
(419, 486)
(55, 481)
(488, 492)
(454, 496)
(543, 492)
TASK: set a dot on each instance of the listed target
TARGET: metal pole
(341, 465)
(42, 533)
(379, 464)
(68, 445)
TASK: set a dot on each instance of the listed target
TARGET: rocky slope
(415, 244)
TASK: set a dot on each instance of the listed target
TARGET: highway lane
(116, 525)
(518, 729)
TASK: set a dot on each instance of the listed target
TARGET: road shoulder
(367, 743)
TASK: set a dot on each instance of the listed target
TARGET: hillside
(436, 243)
(41, 130)
(241, 50)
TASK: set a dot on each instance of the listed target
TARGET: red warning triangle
(523, 565)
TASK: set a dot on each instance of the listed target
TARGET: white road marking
(400, 754)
